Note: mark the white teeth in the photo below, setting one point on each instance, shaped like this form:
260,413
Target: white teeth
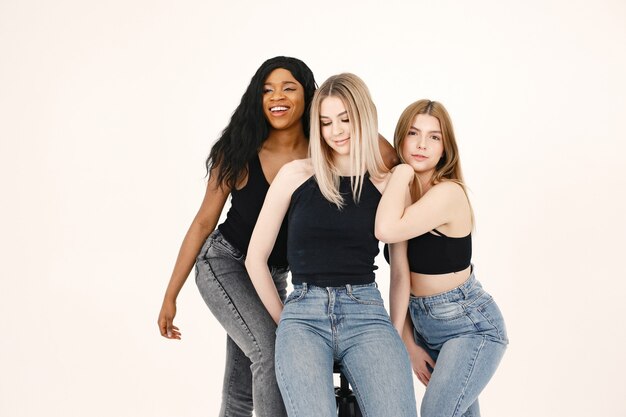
278,108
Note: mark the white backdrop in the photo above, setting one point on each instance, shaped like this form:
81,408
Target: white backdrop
108,110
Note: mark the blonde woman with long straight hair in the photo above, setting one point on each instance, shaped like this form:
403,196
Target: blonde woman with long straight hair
335,313
456,334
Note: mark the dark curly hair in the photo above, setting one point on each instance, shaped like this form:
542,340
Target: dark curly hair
248,128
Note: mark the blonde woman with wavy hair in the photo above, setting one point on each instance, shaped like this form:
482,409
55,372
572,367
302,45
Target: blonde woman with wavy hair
455,333
335,313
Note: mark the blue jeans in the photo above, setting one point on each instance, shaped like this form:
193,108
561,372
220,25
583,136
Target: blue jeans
463,331
348,325
249,378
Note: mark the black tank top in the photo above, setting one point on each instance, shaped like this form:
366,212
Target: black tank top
244,210
329,247
435,253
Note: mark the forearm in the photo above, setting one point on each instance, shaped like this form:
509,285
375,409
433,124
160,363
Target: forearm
399,293
407,330
189,249
392,204
264,286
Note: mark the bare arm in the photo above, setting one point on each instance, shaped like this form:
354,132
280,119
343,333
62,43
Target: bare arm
438,206
400,286
265,232
202,225
387,152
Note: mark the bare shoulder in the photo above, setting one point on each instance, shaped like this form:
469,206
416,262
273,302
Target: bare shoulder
450,190
293,174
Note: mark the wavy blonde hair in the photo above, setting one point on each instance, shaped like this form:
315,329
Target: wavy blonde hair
449,166
364,151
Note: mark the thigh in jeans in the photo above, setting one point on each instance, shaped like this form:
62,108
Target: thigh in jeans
465,333
228,292
373,356
304,355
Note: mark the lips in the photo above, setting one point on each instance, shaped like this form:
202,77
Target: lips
278,110
341,142
419,157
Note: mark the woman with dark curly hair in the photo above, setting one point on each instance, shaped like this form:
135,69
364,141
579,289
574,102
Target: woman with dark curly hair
269,128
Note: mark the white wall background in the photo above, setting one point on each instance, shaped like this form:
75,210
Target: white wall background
108,110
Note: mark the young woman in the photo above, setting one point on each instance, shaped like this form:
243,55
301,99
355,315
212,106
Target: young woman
268,129
335,313
454,320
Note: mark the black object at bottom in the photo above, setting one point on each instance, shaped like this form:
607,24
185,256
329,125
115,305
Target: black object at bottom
346,401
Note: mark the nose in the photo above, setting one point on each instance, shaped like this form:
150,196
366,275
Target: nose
337,129
277,94
421,143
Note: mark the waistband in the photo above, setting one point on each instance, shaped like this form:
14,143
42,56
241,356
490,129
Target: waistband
459,293
332,280
347,287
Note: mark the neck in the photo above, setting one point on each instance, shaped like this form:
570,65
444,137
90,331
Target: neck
342,163
425,180
290,138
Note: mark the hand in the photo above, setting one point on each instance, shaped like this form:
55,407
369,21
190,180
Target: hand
420,359
166,320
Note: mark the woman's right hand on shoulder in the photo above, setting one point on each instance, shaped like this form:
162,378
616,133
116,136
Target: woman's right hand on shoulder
166,320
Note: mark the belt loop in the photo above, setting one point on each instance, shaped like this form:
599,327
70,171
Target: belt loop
349,289
304,287
464,291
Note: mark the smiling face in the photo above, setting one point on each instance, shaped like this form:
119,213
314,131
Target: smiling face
283,100
422,147
335,125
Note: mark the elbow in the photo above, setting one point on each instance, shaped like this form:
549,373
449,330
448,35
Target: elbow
384,233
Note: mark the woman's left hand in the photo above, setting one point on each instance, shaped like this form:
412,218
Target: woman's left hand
420,361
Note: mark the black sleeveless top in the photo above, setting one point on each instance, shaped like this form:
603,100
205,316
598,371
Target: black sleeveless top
435,253
244,210
329,247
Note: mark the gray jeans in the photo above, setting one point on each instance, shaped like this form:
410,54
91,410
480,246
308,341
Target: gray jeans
249,377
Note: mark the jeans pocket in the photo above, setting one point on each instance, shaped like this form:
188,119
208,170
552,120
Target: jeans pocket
295,296
221,245
366,295
446,311
490,311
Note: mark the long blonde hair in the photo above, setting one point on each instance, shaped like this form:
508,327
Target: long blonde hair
364,151
449,166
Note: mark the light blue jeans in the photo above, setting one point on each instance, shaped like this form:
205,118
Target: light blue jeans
350,326
463,331
249,376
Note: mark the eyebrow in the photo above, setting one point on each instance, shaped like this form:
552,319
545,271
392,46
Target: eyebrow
432,131
283,83
343,113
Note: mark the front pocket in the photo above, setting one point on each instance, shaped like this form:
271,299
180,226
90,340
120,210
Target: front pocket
446,311
223,246
366,296
295,296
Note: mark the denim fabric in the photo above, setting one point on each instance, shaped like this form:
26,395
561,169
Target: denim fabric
464,332
350,326
249,378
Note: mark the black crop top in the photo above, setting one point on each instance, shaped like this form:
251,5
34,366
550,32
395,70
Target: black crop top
328,247
245,207
435,253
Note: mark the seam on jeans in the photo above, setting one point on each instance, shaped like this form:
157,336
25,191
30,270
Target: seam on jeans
487,317
235,311
286,388
230,384
469,375
355,390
